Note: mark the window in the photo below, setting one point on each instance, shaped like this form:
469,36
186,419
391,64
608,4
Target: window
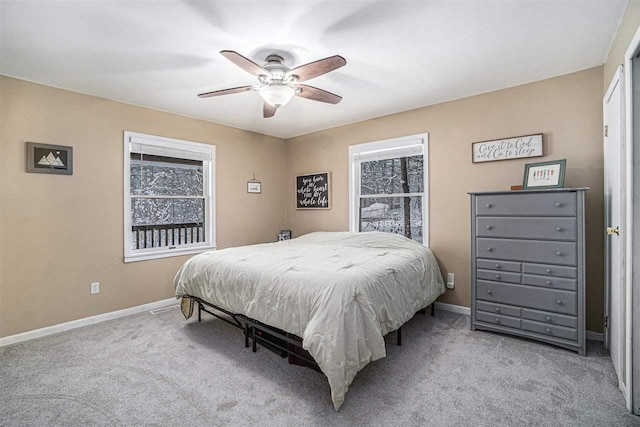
168,197
389,188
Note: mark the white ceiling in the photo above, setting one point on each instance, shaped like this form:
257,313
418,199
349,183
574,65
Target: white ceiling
400,54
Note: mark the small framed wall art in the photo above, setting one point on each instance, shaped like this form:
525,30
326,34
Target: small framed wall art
48,158
284,235
544,175
254,186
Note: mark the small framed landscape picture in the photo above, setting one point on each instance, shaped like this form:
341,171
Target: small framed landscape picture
47,158
544,175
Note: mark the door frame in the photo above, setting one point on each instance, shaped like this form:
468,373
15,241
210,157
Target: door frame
631,168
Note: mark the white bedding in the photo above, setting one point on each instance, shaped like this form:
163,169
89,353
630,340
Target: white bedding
341,292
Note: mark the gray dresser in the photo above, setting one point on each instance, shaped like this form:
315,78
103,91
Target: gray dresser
528,272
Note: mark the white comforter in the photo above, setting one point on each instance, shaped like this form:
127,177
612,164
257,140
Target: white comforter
341,292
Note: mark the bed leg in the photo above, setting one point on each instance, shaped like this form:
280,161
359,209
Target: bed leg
422,311
399,336
246,334
199,312
253,338
433,309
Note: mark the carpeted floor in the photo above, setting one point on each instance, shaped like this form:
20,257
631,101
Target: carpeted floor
162,370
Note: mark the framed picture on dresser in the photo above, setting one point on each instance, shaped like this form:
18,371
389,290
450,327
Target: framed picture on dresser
543,175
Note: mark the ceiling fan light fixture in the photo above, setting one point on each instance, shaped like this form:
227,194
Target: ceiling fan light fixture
277,95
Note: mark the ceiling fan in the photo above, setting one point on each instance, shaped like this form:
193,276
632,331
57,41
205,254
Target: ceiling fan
279,83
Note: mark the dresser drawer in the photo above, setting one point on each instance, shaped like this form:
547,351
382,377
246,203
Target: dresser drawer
550,270
523,204
550,282
499,276
565,253
550,330
553,228
492,307
492,264
564,302
498,319
552,318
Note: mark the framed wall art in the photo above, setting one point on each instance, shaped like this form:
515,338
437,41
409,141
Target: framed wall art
254,186
48,158
312,191
544,175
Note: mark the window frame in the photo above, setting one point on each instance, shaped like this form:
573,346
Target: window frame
208,179
381,149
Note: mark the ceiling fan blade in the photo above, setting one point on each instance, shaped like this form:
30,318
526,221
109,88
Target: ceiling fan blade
225,91
269,110
316,94
318,68
244,63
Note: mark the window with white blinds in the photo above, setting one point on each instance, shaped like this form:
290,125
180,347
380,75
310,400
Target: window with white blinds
389,187
168,197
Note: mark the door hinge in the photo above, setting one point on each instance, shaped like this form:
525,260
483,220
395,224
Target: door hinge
606,321
606,130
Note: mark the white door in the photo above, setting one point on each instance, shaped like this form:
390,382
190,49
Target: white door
613,199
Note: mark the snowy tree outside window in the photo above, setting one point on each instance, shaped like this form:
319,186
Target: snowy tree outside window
388,187
168,197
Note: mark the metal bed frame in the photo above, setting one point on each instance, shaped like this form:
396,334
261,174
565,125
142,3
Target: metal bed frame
280,342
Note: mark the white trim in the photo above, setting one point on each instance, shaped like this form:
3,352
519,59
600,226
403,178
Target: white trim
595,336
61,327
381,147
634,45
453,308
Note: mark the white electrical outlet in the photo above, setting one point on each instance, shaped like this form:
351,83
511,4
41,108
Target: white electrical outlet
95,288
451,280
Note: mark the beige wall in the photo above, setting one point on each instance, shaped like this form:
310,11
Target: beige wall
628,27
566,109
59,233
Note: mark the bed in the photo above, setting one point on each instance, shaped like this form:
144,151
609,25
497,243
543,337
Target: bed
340,292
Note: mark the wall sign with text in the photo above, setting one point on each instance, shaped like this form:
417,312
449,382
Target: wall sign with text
312,191
509,148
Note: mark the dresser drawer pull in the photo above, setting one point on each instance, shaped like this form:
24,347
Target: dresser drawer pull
559,229
489,292
548,330
548,270
498,309
548,318
498,266
489,249
489,227
548,282
559,205
498,276
489,205
558,253
497,320
558,302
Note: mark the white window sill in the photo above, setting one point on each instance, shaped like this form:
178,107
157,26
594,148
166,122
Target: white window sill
166,253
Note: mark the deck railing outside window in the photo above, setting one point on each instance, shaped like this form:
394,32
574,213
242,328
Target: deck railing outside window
160,235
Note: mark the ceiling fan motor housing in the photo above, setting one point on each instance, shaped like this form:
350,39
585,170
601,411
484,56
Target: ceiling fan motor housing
279,72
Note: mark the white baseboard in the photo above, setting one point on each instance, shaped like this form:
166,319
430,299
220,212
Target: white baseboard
49,330
591,335
453,308
595,336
